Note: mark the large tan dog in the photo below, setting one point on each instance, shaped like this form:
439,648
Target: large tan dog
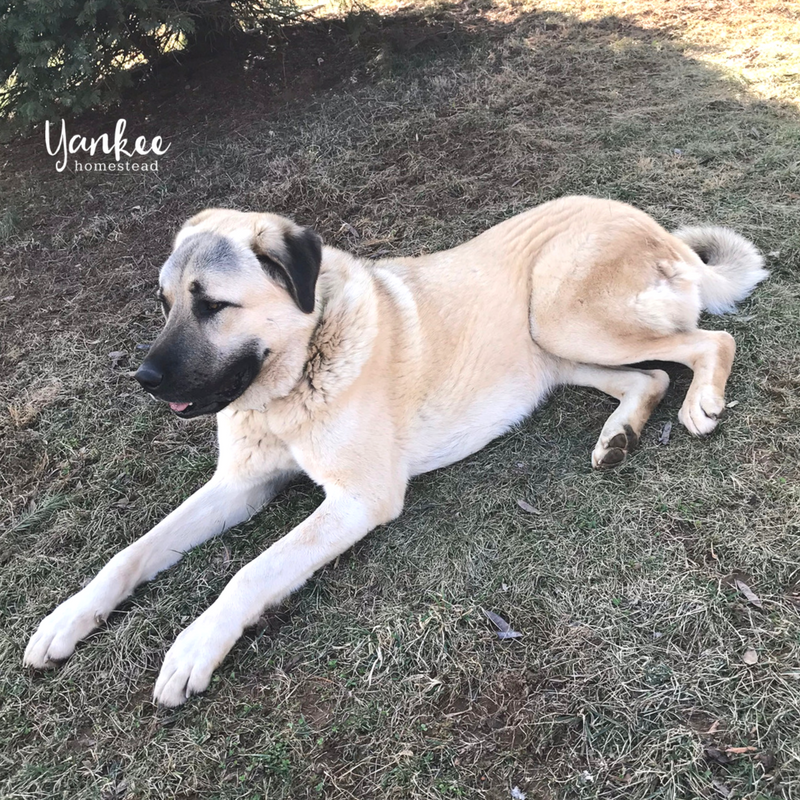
362,374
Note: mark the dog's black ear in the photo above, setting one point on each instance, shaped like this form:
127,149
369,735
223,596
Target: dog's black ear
298,267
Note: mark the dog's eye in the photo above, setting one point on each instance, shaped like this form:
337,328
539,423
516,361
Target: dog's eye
203,308
213,306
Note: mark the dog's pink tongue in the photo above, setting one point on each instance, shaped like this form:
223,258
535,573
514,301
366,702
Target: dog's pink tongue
179,406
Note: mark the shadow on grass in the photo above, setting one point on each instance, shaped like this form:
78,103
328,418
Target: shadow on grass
454,115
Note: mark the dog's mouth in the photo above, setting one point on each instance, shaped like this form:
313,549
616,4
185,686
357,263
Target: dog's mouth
190,410
215,402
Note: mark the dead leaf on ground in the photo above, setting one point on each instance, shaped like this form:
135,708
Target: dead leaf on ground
504,630
750,656
525,506
713,753
721,788
116,356
748,593
348,228
665,433
24,413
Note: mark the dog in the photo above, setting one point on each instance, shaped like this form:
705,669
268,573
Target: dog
363,374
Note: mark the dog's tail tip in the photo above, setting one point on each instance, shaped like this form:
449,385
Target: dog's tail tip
733,266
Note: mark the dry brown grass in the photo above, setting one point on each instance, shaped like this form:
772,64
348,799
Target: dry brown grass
381,678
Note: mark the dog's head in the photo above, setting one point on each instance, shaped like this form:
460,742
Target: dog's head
237,292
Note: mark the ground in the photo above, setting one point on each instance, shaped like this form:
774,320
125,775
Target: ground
382,678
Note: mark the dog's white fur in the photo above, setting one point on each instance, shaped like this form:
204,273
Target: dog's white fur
410,364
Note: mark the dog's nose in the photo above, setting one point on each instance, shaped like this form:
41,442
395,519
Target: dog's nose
149,376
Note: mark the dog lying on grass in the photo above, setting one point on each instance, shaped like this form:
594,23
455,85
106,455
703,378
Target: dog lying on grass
363,374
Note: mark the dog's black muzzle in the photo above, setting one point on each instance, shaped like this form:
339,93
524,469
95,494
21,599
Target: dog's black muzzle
195,391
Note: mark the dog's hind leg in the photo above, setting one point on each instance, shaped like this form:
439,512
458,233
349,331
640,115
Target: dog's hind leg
638,391
709,354
623,308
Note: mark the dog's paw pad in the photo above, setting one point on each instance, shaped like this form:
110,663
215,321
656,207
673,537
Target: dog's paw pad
611,458
619,442
611,452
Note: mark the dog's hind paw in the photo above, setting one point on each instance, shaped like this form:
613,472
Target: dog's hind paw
610,451
701,410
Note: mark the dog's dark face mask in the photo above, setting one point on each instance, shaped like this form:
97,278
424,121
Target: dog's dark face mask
186,371
234,303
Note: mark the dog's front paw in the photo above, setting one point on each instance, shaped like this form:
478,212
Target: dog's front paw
60,631
192,660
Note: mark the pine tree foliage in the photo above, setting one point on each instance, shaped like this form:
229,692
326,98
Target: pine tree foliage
59,57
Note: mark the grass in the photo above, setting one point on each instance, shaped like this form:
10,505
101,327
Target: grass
381,677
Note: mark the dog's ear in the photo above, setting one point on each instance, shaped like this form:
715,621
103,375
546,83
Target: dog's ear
296,264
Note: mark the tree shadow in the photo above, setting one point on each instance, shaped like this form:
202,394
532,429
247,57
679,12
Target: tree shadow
417,129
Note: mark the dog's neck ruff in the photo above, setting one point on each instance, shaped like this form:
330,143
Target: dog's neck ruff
342,332
345,333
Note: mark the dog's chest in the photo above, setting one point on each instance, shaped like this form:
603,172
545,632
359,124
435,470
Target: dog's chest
249,446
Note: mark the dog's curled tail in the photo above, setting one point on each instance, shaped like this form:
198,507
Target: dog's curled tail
733,266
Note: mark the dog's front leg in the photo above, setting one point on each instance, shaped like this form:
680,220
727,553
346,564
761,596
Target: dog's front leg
213,509
342,519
